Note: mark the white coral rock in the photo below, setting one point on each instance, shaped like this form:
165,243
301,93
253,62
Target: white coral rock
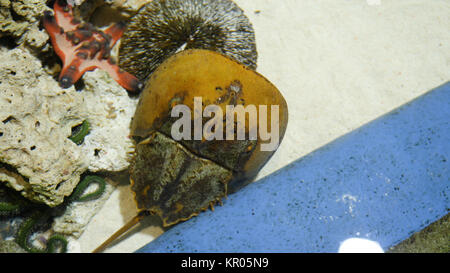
37,117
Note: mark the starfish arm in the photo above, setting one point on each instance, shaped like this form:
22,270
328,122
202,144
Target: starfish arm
64,17
71,73
115,31
125,79
57,36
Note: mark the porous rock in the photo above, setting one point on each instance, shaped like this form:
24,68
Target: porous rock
10,247
37,116
102,12
110,110
36,119
129,6
19,20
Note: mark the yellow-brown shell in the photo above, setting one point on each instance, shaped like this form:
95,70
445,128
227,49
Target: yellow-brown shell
217,80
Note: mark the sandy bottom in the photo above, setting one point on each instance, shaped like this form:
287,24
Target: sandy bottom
339,65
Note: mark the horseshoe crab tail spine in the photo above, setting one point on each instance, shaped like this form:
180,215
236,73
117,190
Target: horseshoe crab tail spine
133,222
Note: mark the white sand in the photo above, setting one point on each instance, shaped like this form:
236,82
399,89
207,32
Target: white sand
339,64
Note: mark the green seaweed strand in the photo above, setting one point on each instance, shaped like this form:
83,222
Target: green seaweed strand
26,230
9,208
81,133
78,194
55,242
14,207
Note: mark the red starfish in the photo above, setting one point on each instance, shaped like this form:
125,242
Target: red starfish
82,47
